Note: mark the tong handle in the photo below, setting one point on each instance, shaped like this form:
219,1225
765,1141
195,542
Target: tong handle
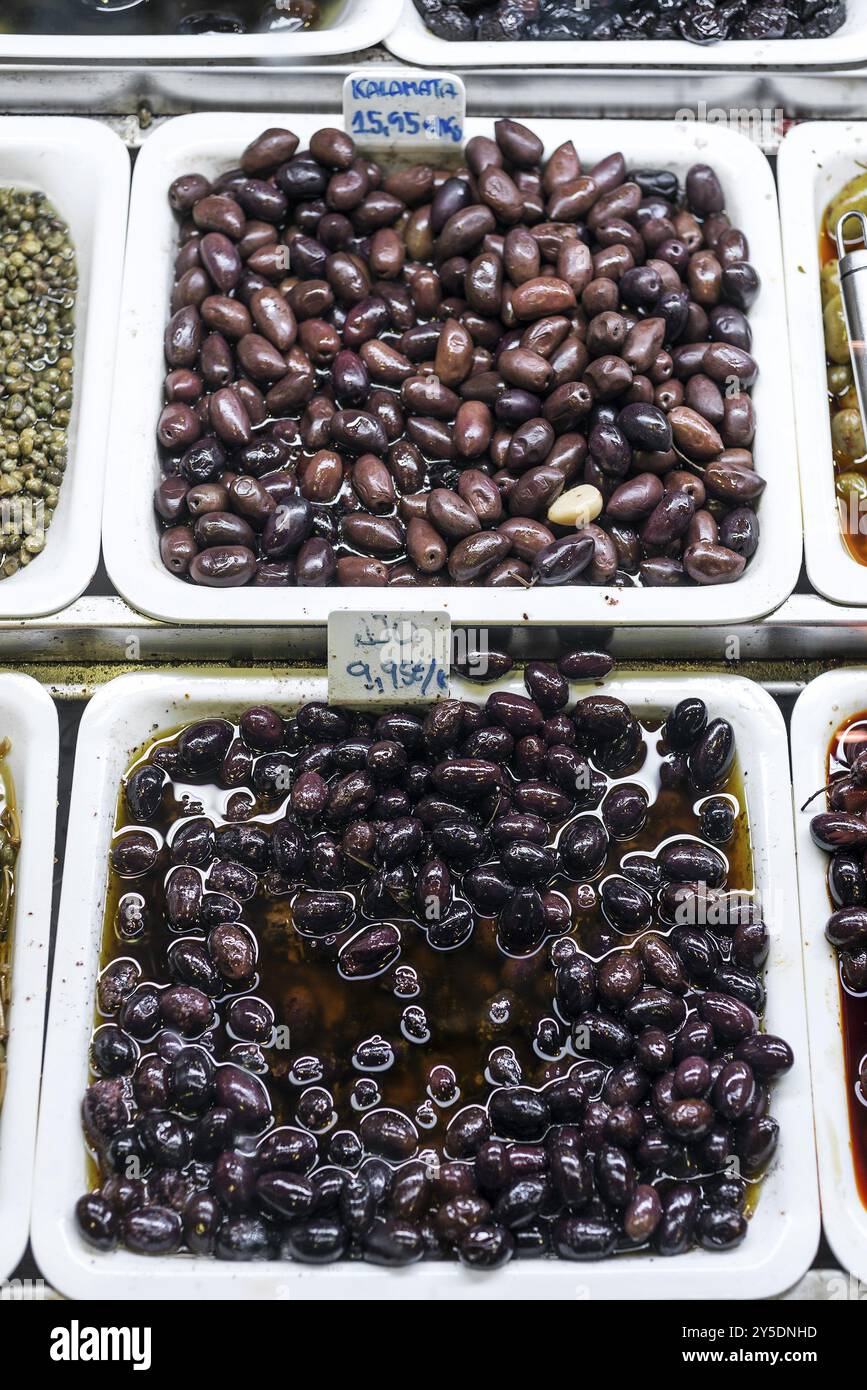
853,285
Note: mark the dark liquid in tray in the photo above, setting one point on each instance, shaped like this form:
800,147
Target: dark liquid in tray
472,999
134,18
853,1007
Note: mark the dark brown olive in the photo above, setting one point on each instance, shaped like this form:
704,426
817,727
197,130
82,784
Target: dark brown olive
584,1237
519,1113
388,1134
730,1018
756,1141
317,1239
712,756
151,1230
674,1232
768,1056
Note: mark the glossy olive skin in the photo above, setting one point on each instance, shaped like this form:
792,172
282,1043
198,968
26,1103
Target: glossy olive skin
348,342
377,847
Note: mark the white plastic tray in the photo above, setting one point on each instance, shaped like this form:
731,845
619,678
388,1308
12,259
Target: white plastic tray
815,161
84,169
353,25
826,704
784,1231
413,41
29,720
130,539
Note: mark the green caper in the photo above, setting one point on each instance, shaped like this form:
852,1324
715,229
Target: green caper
38,283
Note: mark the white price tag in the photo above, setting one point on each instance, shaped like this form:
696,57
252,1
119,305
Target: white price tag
388,658
404,109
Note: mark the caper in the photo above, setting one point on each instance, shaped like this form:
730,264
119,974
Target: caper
38,281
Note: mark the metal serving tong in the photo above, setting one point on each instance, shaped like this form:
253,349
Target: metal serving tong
852,255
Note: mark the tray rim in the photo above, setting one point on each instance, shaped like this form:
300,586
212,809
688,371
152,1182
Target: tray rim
129,532
789,1202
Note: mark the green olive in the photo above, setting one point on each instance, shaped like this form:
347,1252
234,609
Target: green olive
829,280
839,379
847,434
836,338
852,485
851,198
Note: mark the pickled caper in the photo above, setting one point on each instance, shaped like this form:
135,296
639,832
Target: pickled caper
38,281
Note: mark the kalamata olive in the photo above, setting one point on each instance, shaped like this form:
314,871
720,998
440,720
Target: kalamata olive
321,913
838,830
615,1176
519,1113
584,1237
712,756
388,1134
624,811
522,922
601,1035
730,1019
643,1214
563,560
626,905
151,1230
97,1221
674,1232
691,861
316,1239
144,792
186,1009
721,1228
768,1056
653,1050
467,1131
655,1007
392,1243
619,978
756,1141
584,847
525,862
575,987
370,952
244,1095
486,1246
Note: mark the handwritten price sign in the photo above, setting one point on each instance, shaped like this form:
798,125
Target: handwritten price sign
388,658
404,109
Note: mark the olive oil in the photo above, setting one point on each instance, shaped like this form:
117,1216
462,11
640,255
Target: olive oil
443,1013
119,18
